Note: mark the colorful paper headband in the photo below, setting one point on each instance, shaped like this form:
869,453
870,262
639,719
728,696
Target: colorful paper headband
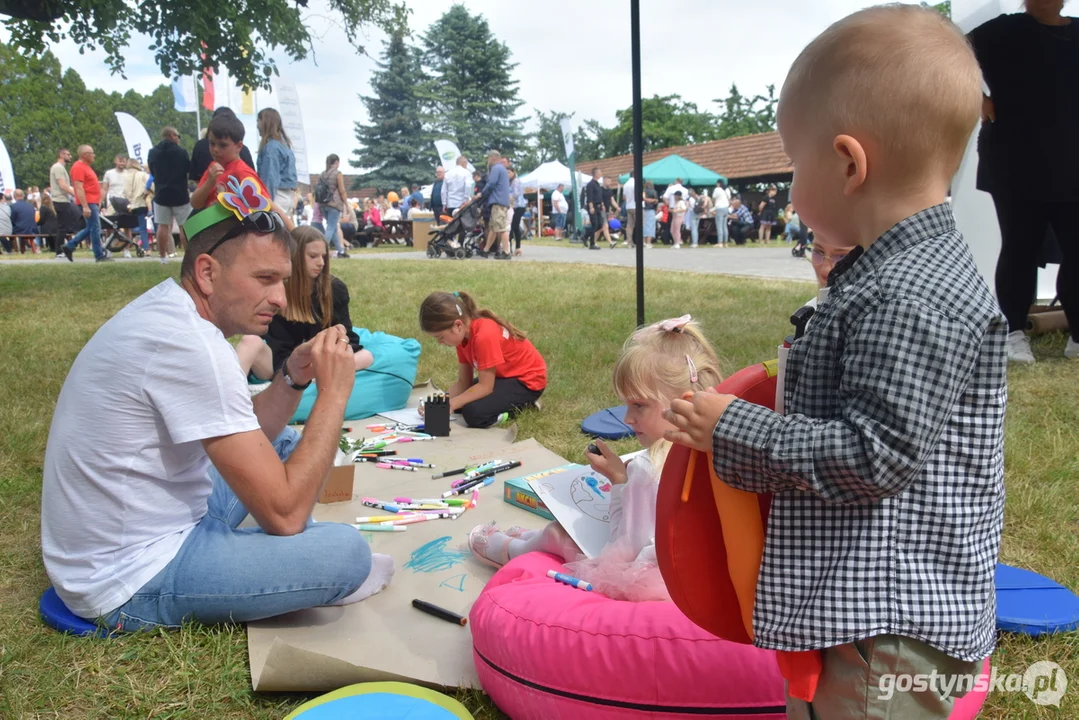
236,198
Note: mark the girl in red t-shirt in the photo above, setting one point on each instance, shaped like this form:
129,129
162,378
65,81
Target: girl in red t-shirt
499,371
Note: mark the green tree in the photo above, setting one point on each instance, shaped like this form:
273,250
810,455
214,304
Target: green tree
471,94
545,143
394,146
46,108
747,116
666,121
238,34
590,141
944,8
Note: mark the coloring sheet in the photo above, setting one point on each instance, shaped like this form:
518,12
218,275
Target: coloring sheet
581,502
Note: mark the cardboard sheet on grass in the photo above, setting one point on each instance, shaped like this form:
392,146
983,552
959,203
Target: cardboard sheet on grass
384,637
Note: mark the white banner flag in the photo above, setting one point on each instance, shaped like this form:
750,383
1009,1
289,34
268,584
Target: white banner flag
7,175
288,100
135,137
448,154
183,94
567,135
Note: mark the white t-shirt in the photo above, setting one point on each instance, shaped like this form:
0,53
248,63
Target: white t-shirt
113,184
668,194
558,202
721,197
629,192
125,472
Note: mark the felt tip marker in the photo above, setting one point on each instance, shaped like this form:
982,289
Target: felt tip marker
441,613
475,499
448,473
368,519
569,580
395,466
410,519
369,527
418,501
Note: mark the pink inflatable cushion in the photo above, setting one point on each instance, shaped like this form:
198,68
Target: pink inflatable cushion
968,706
545,650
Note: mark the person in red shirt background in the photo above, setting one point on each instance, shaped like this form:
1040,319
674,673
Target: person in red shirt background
226,134
88,196
499,371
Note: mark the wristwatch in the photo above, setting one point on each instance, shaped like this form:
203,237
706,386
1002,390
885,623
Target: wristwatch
288,379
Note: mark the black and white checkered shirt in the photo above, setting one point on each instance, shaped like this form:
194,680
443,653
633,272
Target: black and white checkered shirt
888,470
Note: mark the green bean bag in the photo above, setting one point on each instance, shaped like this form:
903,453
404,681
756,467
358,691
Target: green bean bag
386,385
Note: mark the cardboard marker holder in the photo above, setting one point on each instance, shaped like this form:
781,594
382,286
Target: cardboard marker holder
436,415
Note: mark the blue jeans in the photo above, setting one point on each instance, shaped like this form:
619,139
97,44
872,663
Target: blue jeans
722,231
694,228
140,215
331,216
93,229
558,220
224,574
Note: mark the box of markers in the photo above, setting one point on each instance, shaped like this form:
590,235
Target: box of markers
519,493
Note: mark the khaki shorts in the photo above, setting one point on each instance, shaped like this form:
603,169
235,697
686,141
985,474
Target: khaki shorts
859,681
166,214
500,220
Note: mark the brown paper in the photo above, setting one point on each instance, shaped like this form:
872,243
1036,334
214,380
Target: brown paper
384,637
338,486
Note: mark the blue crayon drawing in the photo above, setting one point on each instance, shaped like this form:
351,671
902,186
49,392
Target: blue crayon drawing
457,582
594,484
434,556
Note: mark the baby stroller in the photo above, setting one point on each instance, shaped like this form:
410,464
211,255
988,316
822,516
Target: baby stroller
466,225
112,239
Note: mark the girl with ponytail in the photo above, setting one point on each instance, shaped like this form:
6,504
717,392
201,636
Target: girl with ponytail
499,371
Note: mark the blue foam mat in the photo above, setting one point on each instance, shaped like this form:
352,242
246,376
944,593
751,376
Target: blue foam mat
56,615
608,424
1033,604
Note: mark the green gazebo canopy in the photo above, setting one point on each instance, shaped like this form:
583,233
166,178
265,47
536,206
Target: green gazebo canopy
666,170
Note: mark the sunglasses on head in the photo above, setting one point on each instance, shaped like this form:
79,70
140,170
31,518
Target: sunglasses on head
818,257
261,223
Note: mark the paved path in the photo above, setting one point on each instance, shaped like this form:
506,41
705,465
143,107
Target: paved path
774,263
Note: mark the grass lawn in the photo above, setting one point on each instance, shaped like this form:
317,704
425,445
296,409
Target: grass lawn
578,316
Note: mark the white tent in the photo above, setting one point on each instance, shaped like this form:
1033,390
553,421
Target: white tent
550,175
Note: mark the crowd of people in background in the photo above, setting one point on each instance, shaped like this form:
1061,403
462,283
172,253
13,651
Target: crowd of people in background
154,199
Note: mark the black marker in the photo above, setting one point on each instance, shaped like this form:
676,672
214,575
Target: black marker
440,613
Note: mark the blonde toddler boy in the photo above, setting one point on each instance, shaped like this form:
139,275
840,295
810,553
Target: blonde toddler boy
887,470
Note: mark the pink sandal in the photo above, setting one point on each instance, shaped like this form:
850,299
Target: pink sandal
477,543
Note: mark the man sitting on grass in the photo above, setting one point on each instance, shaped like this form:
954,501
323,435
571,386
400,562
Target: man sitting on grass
146,480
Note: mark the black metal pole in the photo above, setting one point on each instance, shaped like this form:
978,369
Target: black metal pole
638,180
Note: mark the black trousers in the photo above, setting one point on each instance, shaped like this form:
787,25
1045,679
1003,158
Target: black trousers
739,230
515,226
1023,228
598,221
509,396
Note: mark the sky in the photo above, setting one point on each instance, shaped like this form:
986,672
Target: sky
571,58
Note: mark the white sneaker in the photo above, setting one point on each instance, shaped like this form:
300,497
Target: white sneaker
676,247
127,253
164,261
1071,350
1019,348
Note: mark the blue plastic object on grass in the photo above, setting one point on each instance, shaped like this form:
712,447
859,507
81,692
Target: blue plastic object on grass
1033,604
386,385
383,700
608,424
56,615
